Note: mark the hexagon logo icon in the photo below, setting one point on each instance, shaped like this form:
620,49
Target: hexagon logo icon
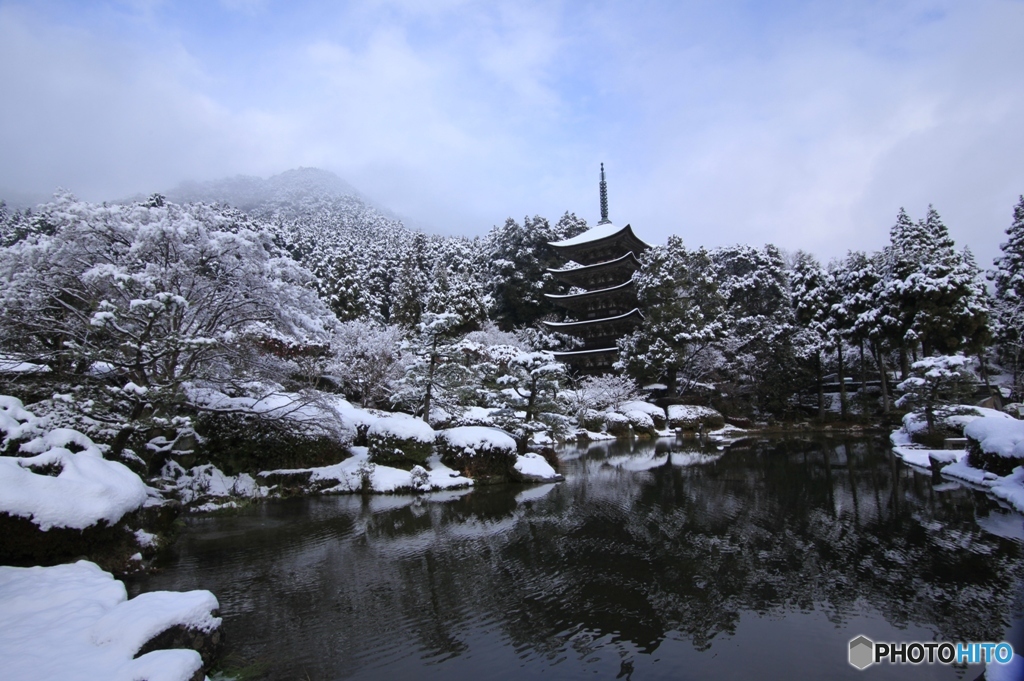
862,652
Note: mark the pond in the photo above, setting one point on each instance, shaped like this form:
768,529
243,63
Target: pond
656,560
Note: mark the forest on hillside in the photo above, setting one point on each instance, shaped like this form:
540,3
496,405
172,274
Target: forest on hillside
114,314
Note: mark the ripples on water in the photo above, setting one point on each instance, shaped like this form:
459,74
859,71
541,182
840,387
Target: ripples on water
653,560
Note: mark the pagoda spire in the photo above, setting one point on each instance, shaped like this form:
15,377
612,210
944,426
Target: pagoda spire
604,199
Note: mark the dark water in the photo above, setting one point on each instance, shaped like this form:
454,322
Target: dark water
759,562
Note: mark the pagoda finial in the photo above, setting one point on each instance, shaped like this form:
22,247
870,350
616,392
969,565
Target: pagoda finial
604,199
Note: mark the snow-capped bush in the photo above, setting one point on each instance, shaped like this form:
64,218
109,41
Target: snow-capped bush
477,450
692,417
60,478
995,444
399,438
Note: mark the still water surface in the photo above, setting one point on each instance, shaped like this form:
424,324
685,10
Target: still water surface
651,561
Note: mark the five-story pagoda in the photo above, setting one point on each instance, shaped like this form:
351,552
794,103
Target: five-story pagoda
602,261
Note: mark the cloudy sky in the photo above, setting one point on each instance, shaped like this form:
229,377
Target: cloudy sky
805,124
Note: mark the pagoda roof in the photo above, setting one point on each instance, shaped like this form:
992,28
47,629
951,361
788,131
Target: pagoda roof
628,257
560,297
605,232
584,353
568,326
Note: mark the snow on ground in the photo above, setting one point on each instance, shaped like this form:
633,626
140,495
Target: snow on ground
357,474
75,622
1012,671
997,434
58,487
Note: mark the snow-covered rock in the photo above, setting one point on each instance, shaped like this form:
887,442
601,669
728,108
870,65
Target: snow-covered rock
692,417
75,621
656,413
535,468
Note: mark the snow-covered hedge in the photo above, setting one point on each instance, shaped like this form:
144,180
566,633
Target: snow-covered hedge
399,438
58,487
478,451
692,417
995,444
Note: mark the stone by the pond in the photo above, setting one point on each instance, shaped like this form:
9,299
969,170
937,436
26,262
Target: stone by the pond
616,424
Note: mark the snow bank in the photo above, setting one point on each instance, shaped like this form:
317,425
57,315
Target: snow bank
75,622
58,487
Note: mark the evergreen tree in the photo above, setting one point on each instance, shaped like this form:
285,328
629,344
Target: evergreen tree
1008,281
683,315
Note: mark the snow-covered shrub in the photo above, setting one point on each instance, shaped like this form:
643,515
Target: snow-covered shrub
478,452
60,478
995,444
400,439
692,417
597,393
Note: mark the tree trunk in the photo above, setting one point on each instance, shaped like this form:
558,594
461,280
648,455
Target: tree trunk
821,388
430,381
880,360
904,364
842,379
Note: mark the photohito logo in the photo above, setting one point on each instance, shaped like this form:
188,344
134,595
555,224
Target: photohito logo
864,652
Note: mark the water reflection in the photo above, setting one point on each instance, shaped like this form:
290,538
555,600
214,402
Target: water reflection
650,559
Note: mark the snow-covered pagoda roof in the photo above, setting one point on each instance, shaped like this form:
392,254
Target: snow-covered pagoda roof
568,326
572,354
598,233
625,286
580,269
599,244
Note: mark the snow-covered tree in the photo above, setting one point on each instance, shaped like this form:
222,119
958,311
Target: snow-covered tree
813,293
945,379
684,315
366,360
158,295
518,257
1008,281
584,394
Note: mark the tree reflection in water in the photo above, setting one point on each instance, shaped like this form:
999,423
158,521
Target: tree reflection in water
643,544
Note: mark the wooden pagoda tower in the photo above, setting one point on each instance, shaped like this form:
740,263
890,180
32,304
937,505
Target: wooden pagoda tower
601,262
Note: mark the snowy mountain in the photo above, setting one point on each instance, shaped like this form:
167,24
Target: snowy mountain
300,191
